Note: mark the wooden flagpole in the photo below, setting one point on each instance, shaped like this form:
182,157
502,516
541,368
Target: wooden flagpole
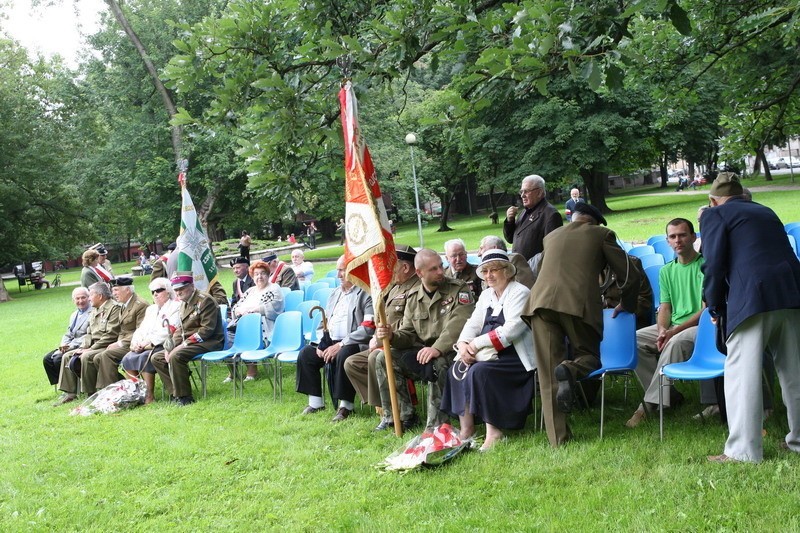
387,356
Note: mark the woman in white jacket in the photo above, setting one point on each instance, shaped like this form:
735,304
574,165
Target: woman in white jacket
492,377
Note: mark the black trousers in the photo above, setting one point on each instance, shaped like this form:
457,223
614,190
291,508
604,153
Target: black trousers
52,364
308,378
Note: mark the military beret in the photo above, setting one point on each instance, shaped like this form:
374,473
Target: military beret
590,210
240,261
726,184
122,281
405,252
182,279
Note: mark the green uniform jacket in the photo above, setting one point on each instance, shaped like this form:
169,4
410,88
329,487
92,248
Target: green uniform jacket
436,322
103,326
469,276
130,318
573,258
200,315
396,301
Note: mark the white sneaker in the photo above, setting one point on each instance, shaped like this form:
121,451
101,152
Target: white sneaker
227,380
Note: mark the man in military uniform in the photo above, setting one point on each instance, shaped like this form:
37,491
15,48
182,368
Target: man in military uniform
200,332
280,272
565,302
456,253
361,367
432,321
102,369
103,330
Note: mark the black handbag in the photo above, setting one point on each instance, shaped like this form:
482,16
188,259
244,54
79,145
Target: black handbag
720,337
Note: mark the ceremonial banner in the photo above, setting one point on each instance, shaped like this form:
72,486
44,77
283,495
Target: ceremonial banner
369,248
193,251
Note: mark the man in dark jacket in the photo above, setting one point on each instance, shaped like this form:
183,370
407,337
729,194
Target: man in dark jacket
752,283
526,229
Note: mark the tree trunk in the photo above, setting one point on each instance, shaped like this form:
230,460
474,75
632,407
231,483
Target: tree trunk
662,167
446,200
767,171
4,296
757,162
166,97
596,184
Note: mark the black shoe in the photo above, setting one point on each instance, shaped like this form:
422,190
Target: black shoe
183,401
384,425
411,423
311,410
341,414
565,397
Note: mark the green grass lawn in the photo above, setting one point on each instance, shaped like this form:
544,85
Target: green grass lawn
254,463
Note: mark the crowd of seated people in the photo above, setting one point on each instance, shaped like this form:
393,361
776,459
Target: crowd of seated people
472,334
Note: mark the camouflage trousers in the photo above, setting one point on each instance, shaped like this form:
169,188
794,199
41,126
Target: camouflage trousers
406,366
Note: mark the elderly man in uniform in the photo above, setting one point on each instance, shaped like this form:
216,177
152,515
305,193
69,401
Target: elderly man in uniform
200,332
243,280
361,368
565,301
456,253
350,324
102,369
524,274
103,330
280,272
433,318
73,337
752,285
526,230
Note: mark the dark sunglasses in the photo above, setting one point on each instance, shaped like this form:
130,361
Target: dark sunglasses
156,291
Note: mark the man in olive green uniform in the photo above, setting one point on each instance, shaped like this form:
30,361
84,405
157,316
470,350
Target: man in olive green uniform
456,253
103,369
103,330
565,301
432,321
200,332
361,367
281,273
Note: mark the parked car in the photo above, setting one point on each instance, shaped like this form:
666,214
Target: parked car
777,163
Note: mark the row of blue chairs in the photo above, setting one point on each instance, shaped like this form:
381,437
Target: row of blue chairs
618,357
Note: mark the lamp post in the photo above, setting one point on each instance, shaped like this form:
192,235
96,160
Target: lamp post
411,140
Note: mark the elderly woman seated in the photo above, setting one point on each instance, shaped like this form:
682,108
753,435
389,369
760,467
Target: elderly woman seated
160,320
265,298
492,377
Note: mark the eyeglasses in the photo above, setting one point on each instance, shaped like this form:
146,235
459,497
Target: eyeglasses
156,291
523,192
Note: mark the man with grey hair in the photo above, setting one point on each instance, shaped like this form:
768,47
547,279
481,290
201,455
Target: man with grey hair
526,230
456,253
73,337
101,369
102,331
524,274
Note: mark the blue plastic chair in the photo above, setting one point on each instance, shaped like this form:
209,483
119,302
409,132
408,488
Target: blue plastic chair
311,288
248,336
473,259
330,282
651,260
791,225
310,330
331,274
706,362
626,246
287,337
794,232
223,316
285,291
656,238
304,309
617,354
639,251
652,273
322,296
663,248
292,300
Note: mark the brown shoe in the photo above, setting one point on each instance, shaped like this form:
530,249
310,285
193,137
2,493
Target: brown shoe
722,459
65,398
638,415
311,410
341,414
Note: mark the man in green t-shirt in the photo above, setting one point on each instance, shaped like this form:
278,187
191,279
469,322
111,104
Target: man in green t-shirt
671,338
